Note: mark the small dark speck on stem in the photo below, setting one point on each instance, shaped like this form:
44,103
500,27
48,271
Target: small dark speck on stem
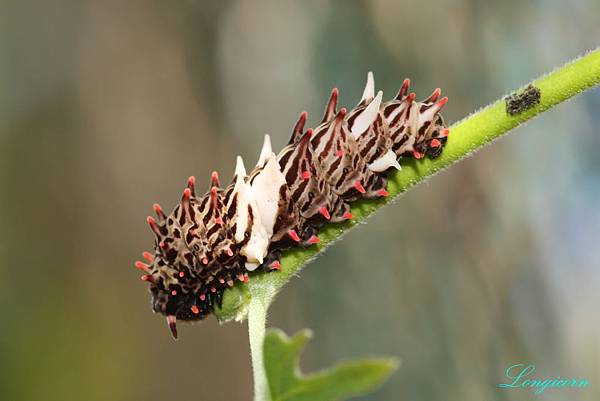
518,103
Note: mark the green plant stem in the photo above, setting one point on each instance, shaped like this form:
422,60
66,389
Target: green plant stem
257,317
466,136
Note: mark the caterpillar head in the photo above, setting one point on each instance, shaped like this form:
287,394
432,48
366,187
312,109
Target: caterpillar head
179,305
194,260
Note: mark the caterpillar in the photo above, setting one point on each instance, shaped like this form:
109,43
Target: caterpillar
208,242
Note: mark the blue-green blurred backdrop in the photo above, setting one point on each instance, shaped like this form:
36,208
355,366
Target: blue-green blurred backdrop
108,106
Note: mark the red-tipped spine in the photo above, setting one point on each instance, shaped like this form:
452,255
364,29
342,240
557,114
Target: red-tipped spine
172,323
214,179
331,105
359,187
441,102
325,213
382,192
294,235
153,226
314,240
142,266
403,90
185,201
159,212
191,184
148,256
299,127
434,96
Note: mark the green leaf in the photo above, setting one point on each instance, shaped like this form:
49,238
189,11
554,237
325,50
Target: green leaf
466,136
285,382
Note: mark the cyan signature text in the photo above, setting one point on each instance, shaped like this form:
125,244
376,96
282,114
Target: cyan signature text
521,376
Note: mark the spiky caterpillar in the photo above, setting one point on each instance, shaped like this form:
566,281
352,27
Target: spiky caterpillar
207,242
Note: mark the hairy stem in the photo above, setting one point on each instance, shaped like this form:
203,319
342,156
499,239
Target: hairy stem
257,316
466,136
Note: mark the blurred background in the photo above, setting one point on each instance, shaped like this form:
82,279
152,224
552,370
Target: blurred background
107,107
